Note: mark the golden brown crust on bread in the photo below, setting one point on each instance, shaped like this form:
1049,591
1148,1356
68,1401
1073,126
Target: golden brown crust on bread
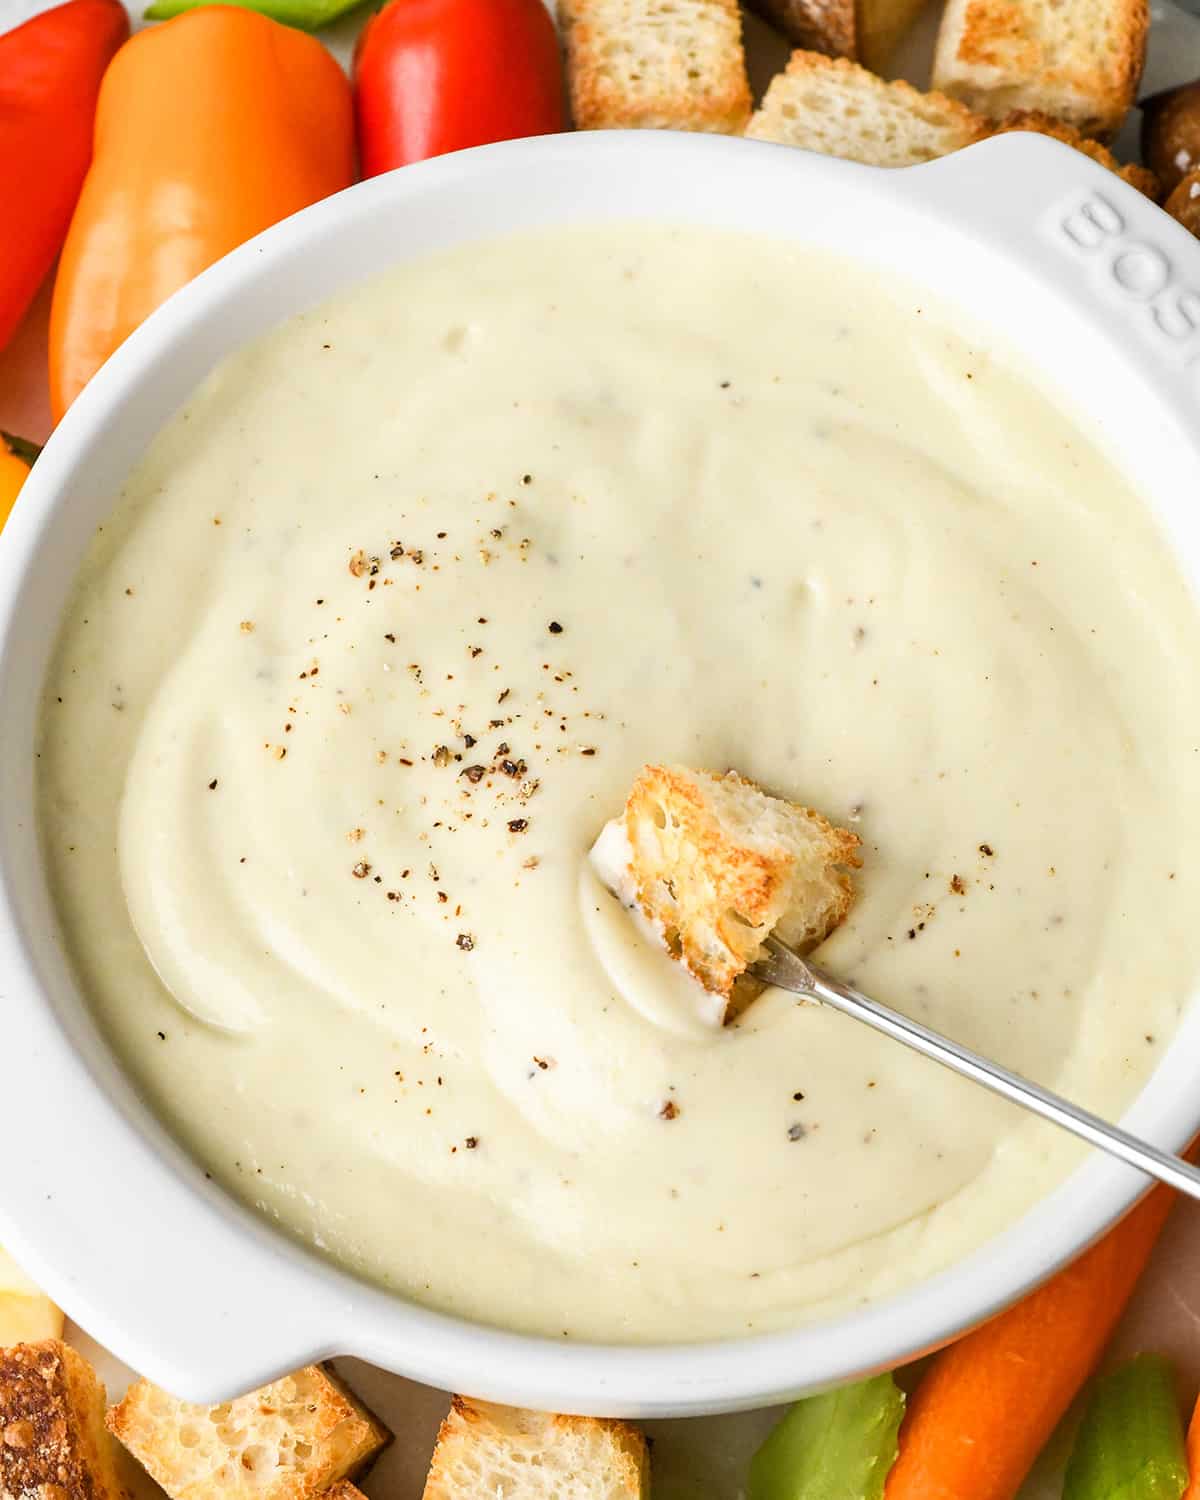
53,1445
995,36
484,1450
1075,60
656,64
289,1440
718,864
1033,120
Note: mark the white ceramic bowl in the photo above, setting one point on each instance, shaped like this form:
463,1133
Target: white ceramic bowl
1101,290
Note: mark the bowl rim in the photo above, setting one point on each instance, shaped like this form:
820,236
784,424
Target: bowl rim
313,1309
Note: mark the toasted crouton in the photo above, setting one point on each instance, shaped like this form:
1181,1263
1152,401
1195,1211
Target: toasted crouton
292,1439
484,1450
840,109
343,1490
1074,60
27,1315
656,64
718,865
1139,177
52,1437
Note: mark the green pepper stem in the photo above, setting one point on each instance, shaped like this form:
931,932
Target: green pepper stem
304,15
22,447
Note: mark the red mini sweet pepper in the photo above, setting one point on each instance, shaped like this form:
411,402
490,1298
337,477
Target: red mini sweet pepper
432,76
50,72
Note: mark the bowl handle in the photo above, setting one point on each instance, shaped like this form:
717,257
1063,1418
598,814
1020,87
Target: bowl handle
1100,241
168,1308
135,1245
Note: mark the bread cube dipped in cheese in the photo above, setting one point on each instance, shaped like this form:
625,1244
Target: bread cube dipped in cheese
717,865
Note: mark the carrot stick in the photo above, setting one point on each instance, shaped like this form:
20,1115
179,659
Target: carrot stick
1193,1456
988,1404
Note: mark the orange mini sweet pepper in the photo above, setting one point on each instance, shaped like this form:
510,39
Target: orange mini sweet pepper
209,129
16,459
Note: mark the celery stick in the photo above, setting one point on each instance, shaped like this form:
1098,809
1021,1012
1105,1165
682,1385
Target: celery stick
838,1446
1130,1443
305,15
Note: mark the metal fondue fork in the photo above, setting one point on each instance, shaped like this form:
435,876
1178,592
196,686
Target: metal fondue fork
788,971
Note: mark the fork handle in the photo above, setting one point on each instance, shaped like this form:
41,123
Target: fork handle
789,971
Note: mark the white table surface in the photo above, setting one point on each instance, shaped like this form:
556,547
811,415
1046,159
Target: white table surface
703,1458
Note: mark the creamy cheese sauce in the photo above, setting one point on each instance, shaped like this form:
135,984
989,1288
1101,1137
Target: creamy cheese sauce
632,949
378,635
